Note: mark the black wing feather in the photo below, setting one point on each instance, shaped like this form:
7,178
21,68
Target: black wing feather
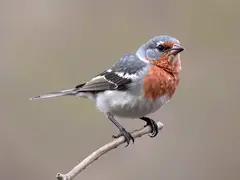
110,79
104,81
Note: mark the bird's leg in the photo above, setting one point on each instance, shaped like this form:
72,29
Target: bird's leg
123,132
153,125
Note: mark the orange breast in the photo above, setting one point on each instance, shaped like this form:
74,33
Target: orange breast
158,82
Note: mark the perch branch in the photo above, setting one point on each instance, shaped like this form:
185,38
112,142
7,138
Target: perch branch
103,150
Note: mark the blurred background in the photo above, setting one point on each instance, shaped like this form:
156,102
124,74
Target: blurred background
51,45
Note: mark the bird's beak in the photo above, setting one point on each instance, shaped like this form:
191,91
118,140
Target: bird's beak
176,49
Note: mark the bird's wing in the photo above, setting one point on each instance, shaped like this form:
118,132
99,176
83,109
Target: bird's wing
118,77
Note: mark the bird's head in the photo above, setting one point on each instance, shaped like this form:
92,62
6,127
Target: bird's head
162,51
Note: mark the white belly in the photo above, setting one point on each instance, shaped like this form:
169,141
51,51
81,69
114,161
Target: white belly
125,104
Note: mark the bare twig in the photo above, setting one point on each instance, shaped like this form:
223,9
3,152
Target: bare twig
103,150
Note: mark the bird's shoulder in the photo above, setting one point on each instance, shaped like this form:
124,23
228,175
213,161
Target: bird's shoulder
129,64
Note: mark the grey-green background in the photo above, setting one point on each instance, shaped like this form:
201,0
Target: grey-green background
51,45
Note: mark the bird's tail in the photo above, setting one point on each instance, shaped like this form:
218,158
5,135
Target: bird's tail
56,94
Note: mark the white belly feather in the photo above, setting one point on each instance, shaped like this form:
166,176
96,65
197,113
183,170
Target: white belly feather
125,104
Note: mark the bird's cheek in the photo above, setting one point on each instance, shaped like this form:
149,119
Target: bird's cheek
152,54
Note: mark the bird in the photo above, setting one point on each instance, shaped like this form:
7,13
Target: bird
136,85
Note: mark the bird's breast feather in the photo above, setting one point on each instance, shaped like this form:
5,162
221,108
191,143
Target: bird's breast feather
158,83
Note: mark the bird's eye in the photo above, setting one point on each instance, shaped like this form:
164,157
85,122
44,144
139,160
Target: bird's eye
161,48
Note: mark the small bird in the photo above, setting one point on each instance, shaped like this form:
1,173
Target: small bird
136,85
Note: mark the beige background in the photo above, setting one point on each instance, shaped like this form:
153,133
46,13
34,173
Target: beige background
51,45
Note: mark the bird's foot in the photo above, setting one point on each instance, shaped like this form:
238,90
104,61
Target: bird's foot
127,135
153,125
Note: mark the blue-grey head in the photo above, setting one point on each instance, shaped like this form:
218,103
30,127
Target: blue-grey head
159,47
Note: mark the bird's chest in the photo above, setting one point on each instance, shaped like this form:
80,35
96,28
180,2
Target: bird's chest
158,83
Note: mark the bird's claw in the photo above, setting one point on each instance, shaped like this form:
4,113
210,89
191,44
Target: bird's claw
127,135
116,136
153,125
